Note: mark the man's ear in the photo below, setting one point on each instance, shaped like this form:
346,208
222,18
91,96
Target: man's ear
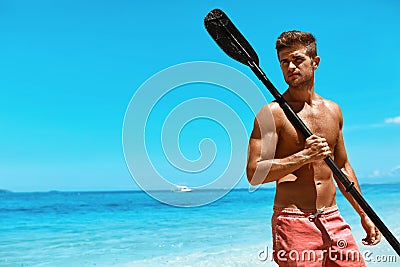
316,61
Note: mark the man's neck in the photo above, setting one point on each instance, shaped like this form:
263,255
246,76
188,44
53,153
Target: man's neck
303,94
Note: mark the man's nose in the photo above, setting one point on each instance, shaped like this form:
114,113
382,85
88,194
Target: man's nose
291,65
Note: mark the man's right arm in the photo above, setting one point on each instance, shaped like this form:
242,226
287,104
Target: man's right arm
262,167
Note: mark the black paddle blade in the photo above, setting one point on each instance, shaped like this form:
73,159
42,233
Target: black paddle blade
228,37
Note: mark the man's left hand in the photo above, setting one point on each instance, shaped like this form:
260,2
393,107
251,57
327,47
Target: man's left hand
373,234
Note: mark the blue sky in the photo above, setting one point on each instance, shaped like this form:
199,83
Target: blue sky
68,70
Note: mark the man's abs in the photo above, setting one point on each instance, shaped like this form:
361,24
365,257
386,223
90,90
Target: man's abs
310,187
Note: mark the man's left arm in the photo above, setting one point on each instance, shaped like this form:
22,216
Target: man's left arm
340,157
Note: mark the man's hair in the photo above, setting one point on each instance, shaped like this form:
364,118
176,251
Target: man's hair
297,38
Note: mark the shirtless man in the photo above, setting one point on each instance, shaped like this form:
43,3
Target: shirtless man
307,227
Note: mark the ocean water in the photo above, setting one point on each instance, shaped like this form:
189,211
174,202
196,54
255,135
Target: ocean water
133,229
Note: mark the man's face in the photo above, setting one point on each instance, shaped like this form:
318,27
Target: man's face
297,67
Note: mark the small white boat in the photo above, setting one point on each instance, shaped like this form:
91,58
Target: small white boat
182,188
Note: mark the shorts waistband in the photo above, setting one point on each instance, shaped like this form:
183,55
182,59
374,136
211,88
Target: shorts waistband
306,212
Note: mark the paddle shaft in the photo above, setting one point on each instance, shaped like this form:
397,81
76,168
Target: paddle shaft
299,124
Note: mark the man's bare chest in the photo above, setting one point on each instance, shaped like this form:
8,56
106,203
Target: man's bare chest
321,122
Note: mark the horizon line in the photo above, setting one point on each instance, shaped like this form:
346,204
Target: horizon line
5,191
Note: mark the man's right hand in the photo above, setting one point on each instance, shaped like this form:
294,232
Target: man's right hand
316,148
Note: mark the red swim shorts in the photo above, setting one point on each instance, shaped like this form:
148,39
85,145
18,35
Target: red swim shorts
313,238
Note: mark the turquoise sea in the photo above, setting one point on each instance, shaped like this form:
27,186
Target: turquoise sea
132,229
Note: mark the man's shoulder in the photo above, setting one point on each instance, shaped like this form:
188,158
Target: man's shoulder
275,108
276,113
331,105
333,109
327,102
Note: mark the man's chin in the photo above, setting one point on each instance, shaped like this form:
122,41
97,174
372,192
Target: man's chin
293,83
296,82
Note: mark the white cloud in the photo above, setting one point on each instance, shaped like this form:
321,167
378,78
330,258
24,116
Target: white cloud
393,120
386,123
376,173
394,172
